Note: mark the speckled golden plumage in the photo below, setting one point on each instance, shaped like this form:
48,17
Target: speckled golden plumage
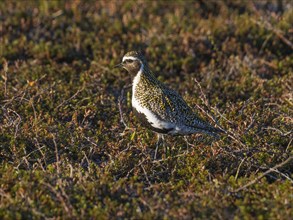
167,103
164,108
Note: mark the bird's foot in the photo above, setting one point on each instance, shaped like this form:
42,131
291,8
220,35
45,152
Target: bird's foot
159,142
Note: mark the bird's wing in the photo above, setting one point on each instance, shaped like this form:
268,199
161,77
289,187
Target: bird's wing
173,108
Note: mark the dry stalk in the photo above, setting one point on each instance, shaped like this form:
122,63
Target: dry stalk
270,170
203,98
56,154
120,101
5,68
67,207
72,97
266,25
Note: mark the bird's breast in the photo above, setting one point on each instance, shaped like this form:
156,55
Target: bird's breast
149,119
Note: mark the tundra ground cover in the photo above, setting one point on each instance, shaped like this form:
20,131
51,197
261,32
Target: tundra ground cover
65,152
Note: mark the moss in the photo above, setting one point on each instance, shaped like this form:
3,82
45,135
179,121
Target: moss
64,152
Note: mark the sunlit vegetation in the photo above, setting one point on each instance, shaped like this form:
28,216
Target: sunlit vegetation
64,152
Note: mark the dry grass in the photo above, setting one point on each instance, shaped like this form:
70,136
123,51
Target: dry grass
65,150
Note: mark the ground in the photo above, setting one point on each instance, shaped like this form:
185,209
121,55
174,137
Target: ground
65,153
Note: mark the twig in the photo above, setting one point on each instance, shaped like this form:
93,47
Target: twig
289,144
56,153
251,124
139,164
277,32
284,134
146,175
146,204
203,98
74,95
205,101
169,158
221,115
87,160
120,100
238,169
92,142
264,174
11,121
282,174
34,210
5,68
67,207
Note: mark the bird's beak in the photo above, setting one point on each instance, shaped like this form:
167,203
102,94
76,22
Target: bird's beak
118,65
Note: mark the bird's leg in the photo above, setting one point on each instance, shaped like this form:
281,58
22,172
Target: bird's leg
164,145
160,141
187,144
157,145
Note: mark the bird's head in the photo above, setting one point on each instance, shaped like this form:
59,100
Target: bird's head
133,61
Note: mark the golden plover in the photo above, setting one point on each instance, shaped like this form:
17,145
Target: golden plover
159,108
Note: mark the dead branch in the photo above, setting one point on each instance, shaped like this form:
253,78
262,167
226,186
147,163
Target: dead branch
205,101
233,136
4,76
66,206
120,101
266,25
270,170
72,97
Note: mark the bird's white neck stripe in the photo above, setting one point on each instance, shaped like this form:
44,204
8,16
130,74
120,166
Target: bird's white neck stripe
137,78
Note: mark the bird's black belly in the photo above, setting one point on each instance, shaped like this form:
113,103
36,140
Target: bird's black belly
144,122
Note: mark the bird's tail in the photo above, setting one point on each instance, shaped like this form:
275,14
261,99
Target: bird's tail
215,132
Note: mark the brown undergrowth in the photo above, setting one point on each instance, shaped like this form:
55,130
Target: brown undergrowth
71,147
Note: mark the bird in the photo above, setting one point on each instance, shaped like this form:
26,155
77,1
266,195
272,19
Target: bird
158,107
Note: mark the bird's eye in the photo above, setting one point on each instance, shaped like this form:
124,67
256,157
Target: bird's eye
128,61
